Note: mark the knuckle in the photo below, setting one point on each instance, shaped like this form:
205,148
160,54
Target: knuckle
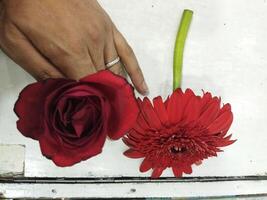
63,54
95,34
8,35
108,27
75,51
46,74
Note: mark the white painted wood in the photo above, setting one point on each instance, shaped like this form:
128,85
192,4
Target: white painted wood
225,54
11,160
134,190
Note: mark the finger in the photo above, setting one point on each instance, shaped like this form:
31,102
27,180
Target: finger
21,51
130,62
111,54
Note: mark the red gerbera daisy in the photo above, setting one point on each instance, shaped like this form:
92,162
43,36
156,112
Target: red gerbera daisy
180,132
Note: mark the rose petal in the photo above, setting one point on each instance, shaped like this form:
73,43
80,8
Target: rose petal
30,104
87,135
49,146
64,157
82,118
119,94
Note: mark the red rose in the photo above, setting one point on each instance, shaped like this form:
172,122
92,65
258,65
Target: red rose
71,119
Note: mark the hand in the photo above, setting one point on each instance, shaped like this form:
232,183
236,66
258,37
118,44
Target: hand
70,38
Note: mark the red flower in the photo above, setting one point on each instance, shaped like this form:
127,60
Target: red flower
71,119
178,133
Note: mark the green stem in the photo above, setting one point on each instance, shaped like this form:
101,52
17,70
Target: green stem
179,48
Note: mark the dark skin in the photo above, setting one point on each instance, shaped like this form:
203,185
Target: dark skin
65,38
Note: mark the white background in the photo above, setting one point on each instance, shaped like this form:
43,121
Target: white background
225,54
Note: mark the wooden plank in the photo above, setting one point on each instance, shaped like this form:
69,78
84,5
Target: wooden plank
12,160
135,190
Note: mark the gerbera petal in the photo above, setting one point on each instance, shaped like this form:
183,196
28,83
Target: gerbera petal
205,100
150,115
221,124
134,133
166,102
224,142
138,128
175,107
142,122
207,105
157,172
209,115
187,169
133,154
225,108
161,111
192,110
145,166
139,102
187,95
129,142
177,172
198,162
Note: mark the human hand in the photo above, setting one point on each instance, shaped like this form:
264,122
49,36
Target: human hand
70,38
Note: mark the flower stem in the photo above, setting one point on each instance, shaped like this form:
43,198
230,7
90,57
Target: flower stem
179,48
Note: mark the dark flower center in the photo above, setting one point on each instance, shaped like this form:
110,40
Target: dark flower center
77,117
177,142
176,149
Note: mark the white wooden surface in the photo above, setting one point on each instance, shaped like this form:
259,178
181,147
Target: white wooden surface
225,54
12,159
135,190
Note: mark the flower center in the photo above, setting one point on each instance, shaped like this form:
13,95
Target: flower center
176,149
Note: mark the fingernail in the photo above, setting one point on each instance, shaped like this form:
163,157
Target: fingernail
145,88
